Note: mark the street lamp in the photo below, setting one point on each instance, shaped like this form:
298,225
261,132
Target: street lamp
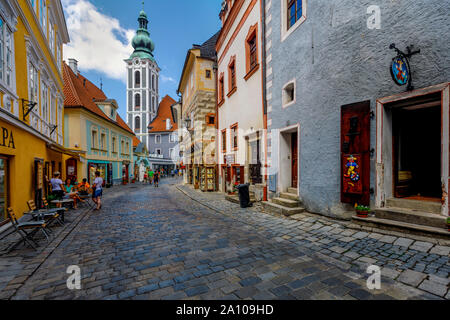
187,123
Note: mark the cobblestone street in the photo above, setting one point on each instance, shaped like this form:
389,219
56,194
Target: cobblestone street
176,243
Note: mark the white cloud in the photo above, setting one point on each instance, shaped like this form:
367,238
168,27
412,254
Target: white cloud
167,79
96,40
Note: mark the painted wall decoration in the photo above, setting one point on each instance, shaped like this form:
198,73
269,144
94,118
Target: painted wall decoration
352,179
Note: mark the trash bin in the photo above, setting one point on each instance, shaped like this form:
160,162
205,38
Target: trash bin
244,195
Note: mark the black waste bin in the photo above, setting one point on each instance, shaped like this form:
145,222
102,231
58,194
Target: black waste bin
244,195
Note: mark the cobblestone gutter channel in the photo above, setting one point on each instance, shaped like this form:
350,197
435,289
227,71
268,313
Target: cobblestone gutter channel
417,262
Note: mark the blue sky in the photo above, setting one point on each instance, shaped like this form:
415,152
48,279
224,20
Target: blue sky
101,31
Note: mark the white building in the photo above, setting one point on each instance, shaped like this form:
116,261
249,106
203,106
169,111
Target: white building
240,102
142,82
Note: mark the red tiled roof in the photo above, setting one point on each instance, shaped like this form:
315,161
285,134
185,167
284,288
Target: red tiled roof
79,92
136,142
164,112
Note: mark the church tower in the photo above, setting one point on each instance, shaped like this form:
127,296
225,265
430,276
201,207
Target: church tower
142,82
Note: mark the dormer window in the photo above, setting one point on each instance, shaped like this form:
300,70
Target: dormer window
168,124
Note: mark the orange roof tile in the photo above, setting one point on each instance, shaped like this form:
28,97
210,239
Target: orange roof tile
164,112
79,92
136,142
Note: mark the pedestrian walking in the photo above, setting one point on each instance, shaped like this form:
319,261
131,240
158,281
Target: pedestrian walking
151,175
57,186
98,190
156,179
145,177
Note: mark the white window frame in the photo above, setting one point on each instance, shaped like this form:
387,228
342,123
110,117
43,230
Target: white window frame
51,36
43,16
285,32
7,69
172,138
94,142
171,153
160,151
285,103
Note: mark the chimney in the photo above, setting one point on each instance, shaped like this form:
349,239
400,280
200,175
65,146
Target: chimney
73,64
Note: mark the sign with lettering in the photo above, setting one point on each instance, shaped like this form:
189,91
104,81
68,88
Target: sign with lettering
7,139
230,159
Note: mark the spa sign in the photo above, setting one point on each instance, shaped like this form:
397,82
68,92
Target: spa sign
7,138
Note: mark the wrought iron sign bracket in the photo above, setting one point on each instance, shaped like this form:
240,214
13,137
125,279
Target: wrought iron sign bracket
27,107
405,56
53,129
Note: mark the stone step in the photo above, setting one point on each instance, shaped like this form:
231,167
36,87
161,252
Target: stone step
289,196
235,199
276,208
411,216
403,227
293,191
286,202
425,206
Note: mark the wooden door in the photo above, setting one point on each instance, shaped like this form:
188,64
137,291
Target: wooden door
355,153
241,177
294,157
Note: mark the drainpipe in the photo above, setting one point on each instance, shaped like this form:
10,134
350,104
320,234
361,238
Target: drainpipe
216,70
264,90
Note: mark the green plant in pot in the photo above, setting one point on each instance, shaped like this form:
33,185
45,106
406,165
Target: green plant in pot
362,211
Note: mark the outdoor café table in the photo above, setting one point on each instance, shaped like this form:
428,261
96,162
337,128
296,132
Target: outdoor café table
60,203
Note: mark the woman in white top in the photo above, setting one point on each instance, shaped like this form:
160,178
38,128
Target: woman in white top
57,186
98,190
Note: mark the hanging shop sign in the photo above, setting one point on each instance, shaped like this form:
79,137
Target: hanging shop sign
400,67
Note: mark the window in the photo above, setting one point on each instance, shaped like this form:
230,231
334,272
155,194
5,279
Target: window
43,15
45,108
171,153
51,37
234,137
127,148
158,151
137,79
294,11
153,82
59,56
224,140
137,101
210,119
173,137
288,94
94,139
6,54
232,76
294,14
114,145
208,74
33,83
251,51
153,105
137,124
168,124
221,88
158,139
122,146
103,141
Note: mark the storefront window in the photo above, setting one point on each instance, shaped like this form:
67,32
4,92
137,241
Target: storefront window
101,167
3,187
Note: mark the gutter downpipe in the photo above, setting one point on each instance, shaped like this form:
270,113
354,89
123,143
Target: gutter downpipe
264,90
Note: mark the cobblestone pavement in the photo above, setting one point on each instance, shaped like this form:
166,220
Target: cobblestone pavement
150,243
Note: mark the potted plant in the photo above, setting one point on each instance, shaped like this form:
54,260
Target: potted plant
448,224
362,211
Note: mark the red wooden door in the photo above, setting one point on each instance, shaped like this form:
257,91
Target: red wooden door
241,178
294,149
355,153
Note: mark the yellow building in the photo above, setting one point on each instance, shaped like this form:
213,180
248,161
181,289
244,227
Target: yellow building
197,127
32,34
